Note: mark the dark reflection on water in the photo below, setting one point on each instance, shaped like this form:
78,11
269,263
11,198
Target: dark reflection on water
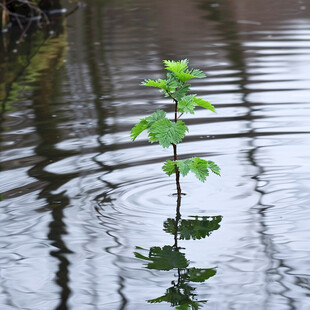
78,196
41,55
47,128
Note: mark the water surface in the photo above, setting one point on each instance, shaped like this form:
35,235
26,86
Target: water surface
78,197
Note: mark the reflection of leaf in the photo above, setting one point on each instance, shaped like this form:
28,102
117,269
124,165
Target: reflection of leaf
139,255
179,296
197,228
165,258
200,275
173,295
193,305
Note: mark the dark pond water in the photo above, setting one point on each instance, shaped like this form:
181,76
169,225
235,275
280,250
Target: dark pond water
88,219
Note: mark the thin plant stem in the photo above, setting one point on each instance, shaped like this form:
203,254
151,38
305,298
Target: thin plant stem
175,154
177,172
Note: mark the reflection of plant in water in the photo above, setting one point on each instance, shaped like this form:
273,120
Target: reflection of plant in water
181,294
197,228
165,258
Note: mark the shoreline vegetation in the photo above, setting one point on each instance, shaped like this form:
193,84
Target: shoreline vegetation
22,14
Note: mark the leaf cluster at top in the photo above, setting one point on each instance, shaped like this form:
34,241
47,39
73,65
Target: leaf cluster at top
174,86
160,128
165,258
181,71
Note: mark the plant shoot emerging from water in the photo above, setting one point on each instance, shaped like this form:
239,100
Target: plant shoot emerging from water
166,132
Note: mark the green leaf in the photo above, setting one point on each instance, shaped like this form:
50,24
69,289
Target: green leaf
181,92
204,104
200,168
176,66
156,116
184,76
184,166
138,128
172,82
169,167
145,123
187,104
197,73
213,167
152,138
168,132
156,83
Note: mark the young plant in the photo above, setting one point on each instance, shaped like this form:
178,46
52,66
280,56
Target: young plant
160,129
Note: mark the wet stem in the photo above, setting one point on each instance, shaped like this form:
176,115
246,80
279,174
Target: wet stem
177,172
175,154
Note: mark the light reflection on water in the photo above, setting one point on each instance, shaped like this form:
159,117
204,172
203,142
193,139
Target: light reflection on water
78,196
